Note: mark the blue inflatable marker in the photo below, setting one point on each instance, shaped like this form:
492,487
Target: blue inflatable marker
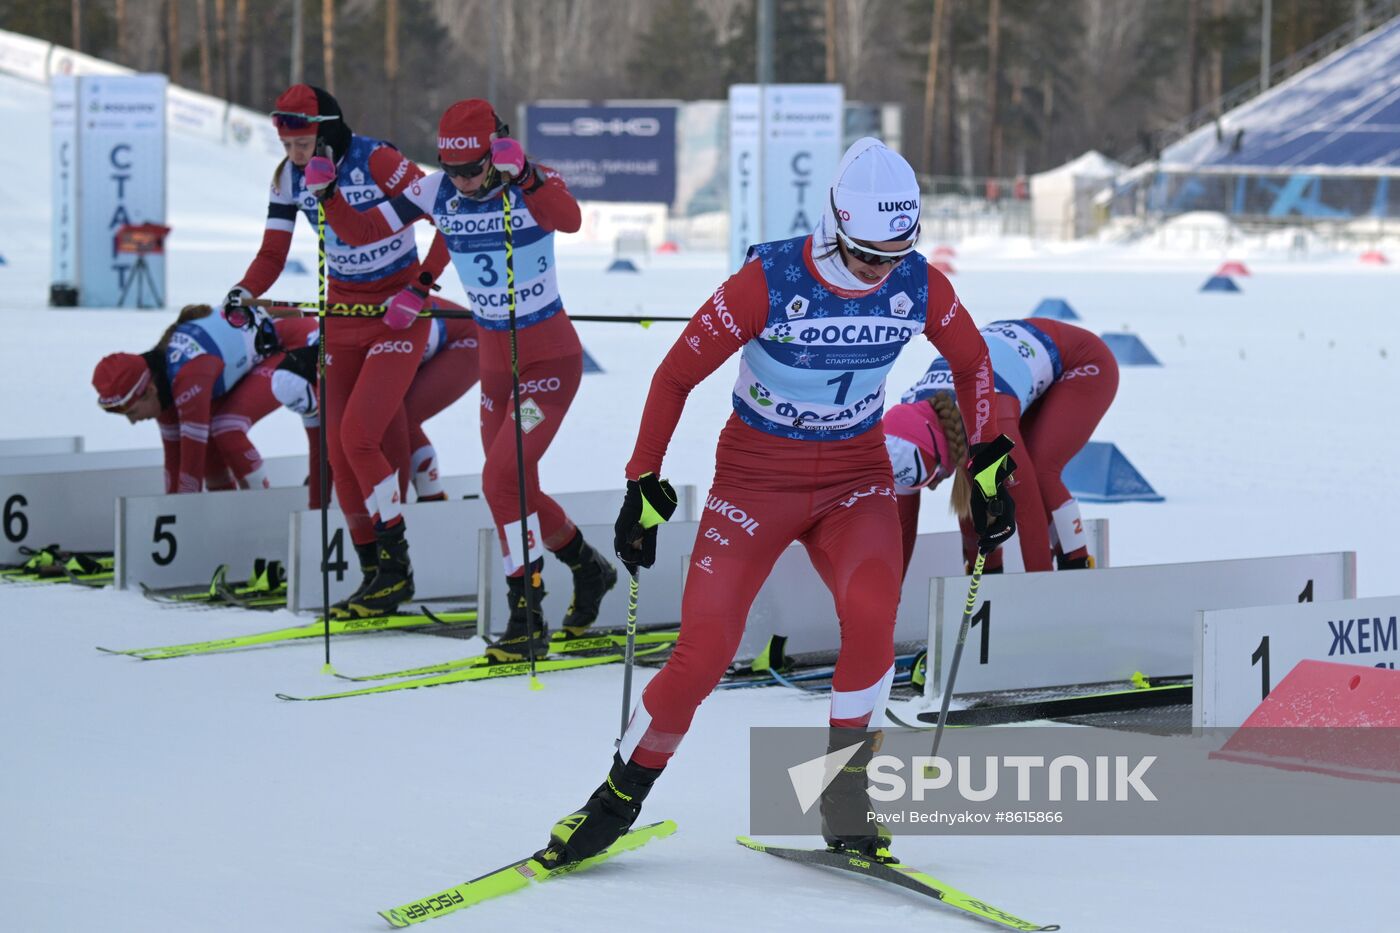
590,365
1056,309
295,266
622,265
1129,350
1220,283
2,261
1100,473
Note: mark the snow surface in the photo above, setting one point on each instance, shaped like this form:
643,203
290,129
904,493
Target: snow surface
180,795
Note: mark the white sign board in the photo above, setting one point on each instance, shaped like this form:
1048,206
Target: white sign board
784,147
121,180
1094,626
178,540
1242,654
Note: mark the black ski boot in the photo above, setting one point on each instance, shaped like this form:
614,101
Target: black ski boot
594,576
848,823
393,579
600,822
525,631
369,563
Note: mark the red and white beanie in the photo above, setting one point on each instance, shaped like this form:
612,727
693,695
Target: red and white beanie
120,378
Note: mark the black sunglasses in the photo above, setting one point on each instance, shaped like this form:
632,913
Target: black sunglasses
467,169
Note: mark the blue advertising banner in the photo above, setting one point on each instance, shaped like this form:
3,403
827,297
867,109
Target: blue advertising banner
607,153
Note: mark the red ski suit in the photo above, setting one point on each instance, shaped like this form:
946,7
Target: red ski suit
550,355
368,367
835,496
206,439
1056,427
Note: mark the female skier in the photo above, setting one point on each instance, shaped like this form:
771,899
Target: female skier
206,384
448,371
1054,381
370,362
481,165
820,320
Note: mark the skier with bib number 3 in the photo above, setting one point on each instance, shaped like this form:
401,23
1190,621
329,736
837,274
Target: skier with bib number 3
819,321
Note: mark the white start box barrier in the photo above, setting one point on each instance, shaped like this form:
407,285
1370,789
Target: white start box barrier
441,544
658,591
1242,654
1094,626
179,540
69,499
32,446
795,603
595,513
444,541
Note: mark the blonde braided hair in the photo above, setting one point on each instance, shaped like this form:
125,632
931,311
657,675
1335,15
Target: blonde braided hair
950,419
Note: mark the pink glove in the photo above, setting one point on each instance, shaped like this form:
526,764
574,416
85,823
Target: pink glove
402,310
320,177
507,157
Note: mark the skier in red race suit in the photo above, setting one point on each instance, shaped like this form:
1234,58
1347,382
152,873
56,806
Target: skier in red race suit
819,321
1054,382
447,372
370,362
206,385
482,165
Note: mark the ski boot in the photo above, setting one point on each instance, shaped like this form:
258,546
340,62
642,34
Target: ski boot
369,564
1084,561
848,823
393,577
594,576
526,632
600,822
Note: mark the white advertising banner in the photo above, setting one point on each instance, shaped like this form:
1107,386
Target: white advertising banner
23,56
745,172
252,132
197,114
121,143
63,164
783,154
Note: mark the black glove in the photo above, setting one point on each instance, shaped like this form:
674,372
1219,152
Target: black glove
648,503
989,466
301,361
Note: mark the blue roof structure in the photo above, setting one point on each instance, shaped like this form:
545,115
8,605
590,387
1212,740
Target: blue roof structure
1343,112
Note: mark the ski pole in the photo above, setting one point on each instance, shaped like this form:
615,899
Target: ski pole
628,655
958,649
276,308
519,439
324,471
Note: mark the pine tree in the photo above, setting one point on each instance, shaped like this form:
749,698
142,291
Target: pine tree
676,56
